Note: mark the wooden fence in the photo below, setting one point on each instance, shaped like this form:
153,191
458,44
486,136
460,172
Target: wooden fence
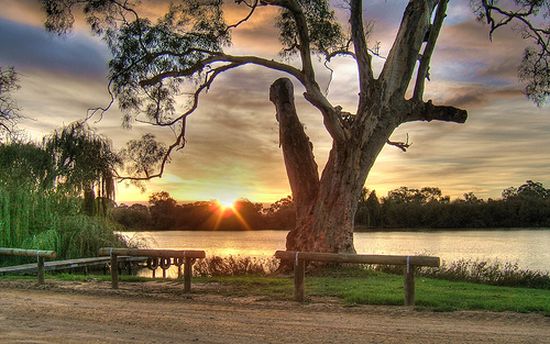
39,254
188,257
410,262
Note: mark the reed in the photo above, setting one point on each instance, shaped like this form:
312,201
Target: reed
235,266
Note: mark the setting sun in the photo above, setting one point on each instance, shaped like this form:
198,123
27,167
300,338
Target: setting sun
226,203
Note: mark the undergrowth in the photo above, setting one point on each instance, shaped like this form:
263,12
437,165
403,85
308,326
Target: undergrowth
235,265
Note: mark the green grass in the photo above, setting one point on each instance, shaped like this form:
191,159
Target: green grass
434,294
385,289
377,288
362,287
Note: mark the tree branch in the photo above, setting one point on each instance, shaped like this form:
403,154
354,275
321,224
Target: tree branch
361,52
540,35
331,120
398,69
401,145
221,57
433,34
250,13
313,92
426,111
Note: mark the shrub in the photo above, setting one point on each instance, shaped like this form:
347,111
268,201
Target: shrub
235,265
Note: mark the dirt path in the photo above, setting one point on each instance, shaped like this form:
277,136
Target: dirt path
92,313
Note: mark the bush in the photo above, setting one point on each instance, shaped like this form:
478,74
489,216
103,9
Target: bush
235,265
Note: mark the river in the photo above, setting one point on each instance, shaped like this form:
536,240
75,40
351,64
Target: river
529,248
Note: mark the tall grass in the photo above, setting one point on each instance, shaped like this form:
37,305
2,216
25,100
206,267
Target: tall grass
493,273
35,218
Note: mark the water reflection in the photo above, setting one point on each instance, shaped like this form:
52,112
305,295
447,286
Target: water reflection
529,248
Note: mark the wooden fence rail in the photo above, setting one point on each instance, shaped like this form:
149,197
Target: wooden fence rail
188,256
410,262
39,254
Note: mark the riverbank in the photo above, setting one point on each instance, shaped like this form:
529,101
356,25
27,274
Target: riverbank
158,312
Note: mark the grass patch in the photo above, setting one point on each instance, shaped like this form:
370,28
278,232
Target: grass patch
434,294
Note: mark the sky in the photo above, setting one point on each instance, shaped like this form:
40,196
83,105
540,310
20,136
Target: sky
232,146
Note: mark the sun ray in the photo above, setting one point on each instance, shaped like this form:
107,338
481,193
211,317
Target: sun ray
241,219
229,206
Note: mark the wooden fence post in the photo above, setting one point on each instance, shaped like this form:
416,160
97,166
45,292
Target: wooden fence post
114,271
40,268
409,284
187,274
299,278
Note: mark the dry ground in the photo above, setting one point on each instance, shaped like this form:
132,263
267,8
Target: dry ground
90,312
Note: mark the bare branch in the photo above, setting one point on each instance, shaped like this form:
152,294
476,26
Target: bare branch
100,110
426,111
9,111
534,70
331,120
303,37
361,52
521,15
398,69
252,7
433,34
401,145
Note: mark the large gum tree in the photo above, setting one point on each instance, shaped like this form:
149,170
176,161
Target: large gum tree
153,60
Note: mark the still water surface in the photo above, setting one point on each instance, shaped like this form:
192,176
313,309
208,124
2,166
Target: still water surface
529,248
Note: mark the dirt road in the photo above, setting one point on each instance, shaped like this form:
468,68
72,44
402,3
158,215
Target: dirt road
92,313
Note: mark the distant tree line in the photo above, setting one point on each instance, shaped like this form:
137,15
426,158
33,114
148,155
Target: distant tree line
164,213
525,206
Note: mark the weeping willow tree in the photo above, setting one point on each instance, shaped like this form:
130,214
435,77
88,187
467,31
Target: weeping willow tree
84,164
42,188
152,61
25,204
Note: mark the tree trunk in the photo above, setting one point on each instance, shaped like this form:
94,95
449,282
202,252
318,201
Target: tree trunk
325,207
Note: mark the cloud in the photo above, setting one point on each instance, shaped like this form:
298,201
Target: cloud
474,96
31,48
232,139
